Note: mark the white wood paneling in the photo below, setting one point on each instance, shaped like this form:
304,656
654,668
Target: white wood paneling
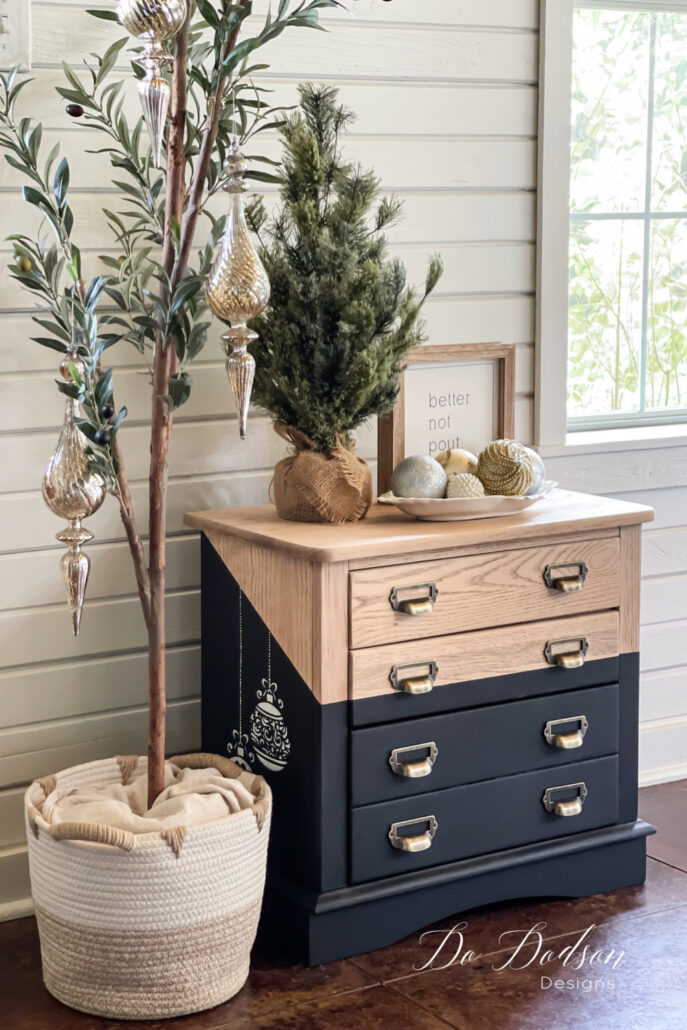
350,51
515,13
43,634
468,268
27,523
663,695
70,689
381,107
652,475
440,216
459,164
115,734
32,580
11,816
446,98
52,746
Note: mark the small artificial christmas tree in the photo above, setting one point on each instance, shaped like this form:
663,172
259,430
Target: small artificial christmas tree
341,319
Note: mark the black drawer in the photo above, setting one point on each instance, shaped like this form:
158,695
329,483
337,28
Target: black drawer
481,818
482,743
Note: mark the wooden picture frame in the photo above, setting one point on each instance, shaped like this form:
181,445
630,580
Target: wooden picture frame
391,433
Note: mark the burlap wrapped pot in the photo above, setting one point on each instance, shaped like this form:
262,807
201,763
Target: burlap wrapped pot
314,486
151,925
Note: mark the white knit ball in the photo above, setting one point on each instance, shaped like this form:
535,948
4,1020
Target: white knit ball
464,484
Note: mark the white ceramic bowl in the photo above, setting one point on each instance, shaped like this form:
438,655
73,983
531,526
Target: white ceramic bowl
456,509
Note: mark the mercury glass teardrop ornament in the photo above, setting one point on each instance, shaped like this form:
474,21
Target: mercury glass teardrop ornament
73,492
238,288
154,22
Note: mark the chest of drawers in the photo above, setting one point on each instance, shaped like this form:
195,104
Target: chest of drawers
446,712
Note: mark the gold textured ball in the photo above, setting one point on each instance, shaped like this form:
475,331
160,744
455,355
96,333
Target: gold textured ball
505,468
457,460
464,484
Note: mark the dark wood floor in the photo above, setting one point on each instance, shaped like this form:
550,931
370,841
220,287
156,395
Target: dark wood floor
384,990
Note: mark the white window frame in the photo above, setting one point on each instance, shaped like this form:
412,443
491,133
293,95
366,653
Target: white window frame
553,229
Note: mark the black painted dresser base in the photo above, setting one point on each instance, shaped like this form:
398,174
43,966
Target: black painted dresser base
312,913
303,926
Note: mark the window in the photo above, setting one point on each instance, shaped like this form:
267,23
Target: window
627,257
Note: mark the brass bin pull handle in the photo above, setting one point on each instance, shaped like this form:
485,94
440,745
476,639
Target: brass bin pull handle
568,584
415,605
567,806
417,768
567,659
569,740
415,842
414,684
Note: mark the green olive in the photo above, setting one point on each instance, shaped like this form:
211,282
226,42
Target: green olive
24,264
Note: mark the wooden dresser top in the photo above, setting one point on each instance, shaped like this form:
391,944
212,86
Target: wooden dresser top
387,531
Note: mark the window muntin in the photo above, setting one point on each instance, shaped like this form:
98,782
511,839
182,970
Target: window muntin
627,315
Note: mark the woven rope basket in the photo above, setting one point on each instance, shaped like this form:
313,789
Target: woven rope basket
146,926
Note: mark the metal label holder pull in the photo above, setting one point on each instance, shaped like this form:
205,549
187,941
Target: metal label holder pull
415,842
414,684
414,769
569,806
572,659
414,605
566,741
566,584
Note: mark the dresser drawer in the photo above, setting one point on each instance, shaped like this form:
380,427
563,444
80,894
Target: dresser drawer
482,818
426,599
422,755
502,656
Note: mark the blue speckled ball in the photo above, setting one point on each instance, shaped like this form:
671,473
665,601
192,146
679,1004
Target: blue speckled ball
418,476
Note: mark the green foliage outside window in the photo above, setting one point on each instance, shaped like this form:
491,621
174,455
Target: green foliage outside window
628,272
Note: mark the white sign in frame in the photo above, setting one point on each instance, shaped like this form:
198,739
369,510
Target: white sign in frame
450,405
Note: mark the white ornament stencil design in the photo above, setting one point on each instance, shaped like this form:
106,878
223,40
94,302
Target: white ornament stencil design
238,748
268,730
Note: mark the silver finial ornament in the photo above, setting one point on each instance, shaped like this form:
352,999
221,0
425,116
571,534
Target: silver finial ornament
154,22
238,288
72,492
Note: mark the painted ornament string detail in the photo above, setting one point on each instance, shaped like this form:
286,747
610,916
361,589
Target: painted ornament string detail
238,748
268,731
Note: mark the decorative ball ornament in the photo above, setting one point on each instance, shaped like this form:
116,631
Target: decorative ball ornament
505,468
268,733
74,493
457,460
238,288
464,484
154,22
418,476
539,471
238,749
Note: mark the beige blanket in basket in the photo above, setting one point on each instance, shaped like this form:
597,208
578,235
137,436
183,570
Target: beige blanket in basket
190,797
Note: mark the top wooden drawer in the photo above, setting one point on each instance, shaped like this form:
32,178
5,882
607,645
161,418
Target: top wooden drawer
481,590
